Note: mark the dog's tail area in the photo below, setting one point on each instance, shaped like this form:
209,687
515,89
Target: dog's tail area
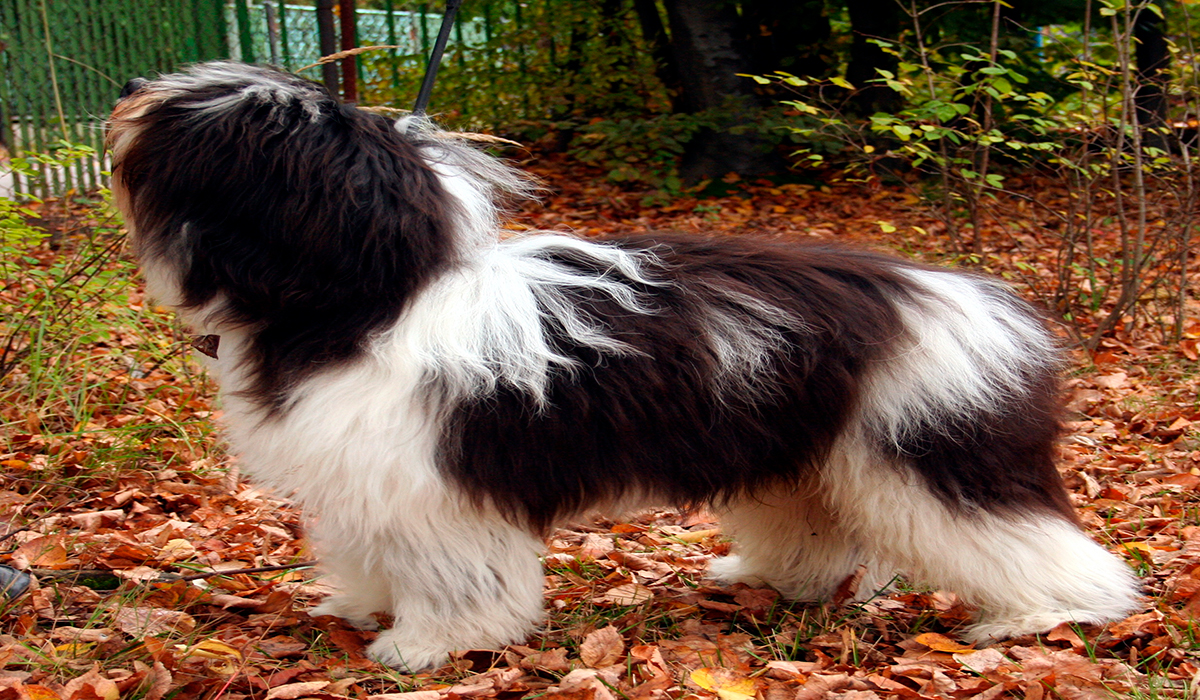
950,472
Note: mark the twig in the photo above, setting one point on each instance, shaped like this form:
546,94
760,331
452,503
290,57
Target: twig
345,54
255,570
166,576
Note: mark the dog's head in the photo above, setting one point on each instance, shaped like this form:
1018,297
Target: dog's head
258,188
257,202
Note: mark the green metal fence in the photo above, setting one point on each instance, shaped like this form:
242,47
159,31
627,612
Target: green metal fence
63,63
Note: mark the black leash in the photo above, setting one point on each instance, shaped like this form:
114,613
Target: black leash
435,57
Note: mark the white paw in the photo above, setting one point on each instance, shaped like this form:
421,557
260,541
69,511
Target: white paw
343,607
391,648
730,569
990,630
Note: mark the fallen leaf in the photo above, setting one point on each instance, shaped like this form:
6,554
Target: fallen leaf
982,661
603,647
280,647
91,686
1116,380
628,594
940,642
42,552
698,535
147,622
727,684
291,691
209,649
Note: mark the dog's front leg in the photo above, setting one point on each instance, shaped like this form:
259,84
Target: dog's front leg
456,578
361,588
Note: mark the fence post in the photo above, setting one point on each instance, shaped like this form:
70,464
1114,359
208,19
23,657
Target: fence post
328,42
349,73
272,32
245,36
389,7
283,35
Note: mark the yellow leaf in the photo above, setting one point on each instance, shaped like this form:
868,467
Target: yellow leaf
74,649
210,649
40,692
1135,547
940,642
886,227
725,683
698,535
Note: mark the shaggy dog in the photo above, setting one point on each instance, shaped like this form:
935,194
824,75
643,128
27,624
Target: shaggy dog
439,397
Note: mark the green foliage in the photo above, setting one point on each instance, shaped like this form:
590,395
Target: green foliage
562,61
67,322
972,116
638,150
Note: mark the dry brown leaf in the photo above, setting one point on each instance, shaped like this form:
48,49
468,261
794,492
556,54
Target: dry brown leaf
291,691
159,679
594,547
1064,633
584,684
42,552
983,661
1145,624
280,646
628,594
91,686
603,647
138,622
818,687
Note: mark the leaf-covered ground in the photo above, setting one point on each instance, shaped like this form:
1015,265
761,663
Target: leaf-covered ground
161,574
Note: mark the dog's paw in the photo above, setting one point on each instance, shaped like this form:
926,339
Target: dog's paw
343,607
730,569
991,630
393,649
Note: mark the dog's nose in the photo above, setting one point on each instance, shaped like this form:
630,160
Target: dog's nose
132,86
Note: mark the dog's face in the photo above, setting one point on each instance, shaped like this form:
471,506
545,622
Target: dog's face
260,186
255,199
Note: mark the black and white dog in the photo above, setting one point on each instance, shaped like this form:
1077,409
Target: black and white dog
438,398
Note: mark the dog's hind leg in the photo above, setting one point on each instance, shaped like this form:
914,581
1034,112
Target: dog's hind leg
460,578
1028,569
789,539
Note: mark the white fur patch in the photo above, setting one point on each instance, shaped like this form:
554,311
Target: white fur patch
972,344
1026,571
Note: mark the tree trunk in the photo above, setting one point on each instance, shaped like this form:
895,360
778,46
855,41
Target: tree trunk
1153,57
705,44
655,36
872,19
787,36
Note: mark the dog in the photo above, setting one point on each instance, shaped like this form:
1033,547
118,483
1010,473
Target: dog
438,397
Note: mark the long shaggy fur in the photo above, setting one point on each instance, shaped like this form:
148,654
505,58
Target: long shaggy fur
439,397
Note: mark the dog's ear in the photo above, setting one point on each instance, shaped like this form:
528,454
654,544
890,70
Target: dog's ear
262,188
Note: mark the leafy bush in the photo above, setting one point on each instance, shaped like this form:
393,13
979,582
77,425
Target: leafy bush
971,116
